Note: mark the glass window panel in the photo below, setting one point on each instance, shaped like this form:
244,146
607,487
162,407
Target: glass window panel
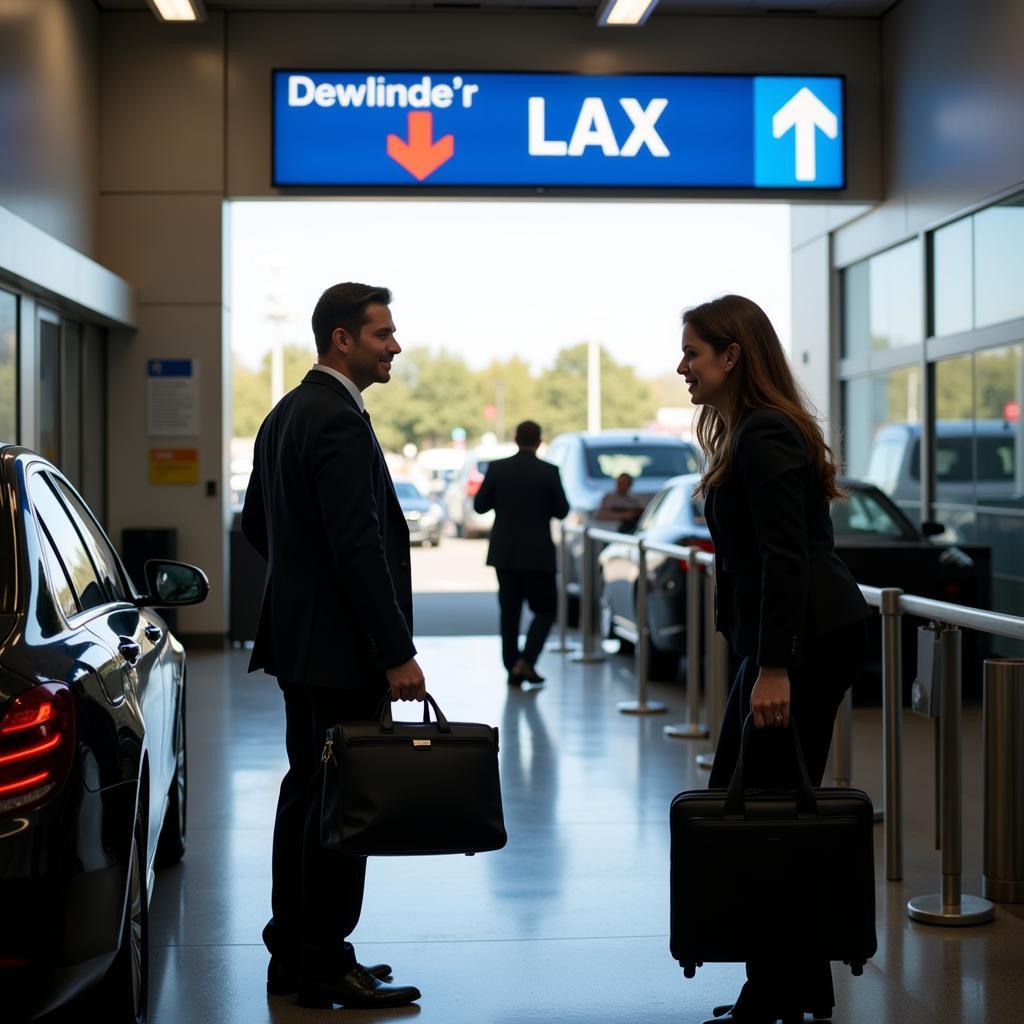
856,310
881,428
99,547
65,537
999,393
954,430
71,399
8,366
999,263
953,278
895,286
49,390
94,449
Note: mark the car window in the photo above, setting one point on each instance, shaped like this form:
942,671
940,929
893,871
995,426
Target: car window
605,461
407,489
884,465
996,457
60,585
647,518
67,542
96,540
672,509
863,514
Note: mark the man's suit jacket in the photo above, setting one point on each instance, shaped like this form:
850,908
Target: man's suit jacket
322,511
525,493
778,576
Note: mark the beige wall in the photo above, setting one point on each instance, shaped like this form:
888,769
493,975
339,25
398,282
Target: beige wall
49,116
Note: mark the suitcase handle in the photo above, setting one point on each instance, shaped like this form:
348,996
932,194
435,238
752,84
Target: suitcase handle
806,804
387,721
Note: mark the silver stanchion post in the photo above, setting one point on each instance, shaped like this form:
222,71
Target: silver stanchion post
562,645
842,743
951,906
588,604
693,729
892,738
716,687
641,706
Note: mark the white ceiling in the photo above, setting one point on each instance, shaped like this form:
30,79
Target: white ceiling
832,8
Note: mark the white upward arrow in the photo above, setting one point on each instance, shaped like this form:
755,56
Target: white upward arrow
805,112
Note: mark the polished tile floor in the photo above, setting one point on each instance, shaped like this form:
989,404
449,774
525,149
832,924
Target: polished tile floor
570,921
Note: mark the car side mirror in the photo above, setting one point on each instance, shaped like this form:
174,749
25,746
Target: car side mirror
930,529
172,584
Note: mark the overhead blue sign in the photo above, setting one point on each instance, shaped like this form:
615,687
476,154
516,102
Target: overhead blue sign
395,129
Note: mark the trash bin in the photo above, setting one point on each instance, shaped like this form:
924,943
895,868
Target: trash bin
1003,723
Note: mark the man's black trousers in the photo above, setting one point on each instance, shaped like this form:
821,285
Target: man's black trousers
831,664
317,894
537,589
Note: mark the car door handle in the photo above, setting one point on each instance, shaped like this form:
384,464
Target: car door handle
154,634
129,650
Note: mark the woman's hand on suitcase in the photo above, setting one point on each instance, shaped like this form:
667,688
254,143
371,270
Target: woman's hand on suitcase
406,681
769,699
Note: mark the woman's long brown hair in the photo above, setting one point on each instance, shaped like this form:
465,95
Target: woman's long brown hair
761,379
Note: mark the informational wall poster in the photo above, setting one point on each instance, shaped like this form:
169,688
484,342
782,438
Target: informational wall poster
173,399
409,129
173,466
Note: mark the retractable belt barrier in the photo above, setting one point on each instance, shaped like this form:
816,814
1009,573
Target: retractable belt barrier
949,907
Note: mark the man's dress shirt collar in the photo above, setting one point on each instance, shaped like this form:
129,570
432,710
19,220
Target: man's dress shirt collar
348,384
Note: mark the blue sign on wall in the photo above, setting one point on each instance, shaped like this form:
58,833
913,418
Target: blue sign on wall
395,129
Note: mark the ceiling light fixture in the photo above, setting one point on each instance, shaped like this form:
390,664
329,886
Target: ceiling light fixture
624,12
179,10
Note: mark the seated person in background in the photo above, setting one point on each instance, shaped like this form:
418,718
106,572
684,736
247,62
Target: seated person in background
620,506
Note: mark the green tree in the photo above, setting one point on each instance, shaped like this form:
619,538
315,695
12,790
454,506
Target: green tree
626,400
250,399
509,385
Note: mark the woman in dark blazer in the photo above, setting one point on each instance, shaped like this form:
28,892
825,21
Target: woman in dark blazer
787,603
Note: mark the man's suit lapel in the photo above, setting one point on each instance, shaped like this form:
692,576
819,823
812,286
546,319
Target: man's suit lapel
319,377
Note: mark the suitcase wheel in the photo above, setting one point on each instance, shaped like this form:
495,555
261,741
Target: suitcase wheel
856,967
689,970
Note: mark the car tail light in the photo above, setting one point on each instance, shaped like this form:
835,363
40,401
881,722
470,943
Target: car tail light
473,482
695,542
37,742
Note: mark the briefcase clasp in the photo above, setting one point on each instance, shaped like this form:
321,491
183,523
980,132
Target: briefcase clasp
421,744
328,754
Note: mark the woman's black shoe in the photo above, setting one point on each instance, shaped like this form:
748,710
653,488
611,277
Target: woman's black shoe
358,990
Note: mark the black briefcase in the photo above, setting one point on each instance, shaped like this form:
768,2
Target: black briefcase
405,788
761,873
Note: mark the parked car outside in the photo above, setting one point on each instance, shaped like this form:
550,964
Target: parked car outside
589,462
93,768
873,536
423,515
673,516
461,492
975,460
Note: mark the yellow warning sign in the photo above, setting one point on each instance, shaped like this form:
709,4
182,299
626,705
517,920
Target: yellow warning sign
174,465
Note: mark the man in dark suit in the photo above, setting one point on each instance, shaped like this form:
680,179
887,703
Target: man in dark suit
525,493
335,628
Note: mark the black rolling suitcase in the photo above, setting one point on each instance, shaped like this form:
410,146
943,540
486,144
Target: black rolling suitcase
761,873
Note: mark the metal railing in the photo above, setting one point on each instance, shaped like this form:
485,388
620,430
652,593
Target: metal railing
950,906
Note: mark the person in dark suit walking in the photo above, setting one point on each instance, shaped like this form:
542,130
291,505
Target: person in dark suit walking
335,628
789,606
525,493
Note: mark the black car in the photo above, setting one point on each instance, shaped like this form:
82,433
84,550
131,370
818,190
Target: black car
873,537
92,748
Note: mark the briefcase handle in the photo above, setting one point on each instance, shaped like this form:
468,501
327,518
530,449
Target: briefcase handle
387,721
805,801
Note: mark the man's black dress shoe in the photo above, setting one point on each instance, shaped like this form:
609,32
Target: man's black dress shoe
731,1014
358,990
283,975
525,670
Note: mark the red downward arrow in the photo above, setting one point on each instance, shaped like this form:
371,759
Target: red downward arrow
421,156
